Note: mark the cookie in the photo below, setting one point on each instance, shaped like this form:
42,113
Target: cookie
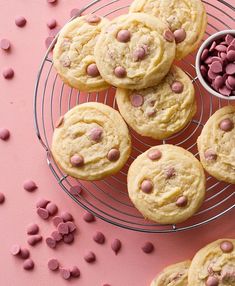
162,110
166,184
132,52
216,145
186,19
73,55
173,275
214,265
91,141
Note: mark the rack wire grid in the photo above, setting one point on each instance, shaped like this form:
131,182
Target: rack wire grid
108,199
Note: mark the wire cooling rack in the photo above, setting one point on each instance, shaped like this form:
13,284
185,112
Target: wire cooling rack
108,199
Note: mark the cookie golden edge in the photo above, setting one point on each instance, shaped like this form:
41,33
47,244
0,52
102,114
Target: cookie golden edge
159,135
98,176
171,269
195,268
70,81
215,174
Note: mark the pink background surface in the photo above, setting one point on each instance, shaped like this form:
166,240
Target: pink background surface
23,157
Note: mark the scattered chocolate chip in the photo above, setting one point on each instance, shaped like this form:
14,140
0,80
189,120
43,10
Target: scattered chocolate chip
52,1
154,154
77,160
28,264
15,249
72,227
29,185
32,229
42,203
95,134
147,186
148,247
53,264
90,257
63,228
65,273
136,100
56,235
120,72
116,245
2,198
88,217
226,125
52,208
92,70
75,272
51,24
50,242
68,238
75,12
4,134
99,237
182,201
124,36
5,44
113,155
66,216
180,35
226,246
43,213
24,253
8,73
34,239
57,220
20,21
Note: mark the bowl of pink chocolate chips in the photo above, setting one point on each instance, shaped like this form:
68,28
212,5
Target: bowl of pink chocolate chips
215,64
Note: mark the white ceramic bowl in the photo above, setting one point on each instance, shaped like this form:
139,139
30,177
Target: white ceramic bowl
205,44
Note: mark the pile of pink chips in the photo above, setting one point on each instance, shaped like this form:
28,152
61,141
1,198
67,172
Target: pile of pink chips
218,65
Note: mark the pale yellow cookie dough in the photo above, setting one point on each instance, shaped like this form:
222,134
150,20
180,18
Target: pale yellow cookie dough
176,177
146,35
163,112
217,147
173,275
74,52
73,138
187,14
211,264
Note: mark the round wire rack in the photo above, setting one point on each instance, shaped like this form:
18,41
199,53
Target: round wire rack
108,199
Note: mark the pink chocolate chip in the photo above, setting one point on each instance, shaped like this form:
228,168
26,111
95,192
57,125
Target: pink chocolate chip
113,155
182,201
226,125
56,235
66,216
77,160
5,44
204,55
216,67
231,48
226,246
2,198
53,264
231,81
212,47
15,249
34,239
231,56
88,217
148,247
4,134
210,155
20,21
8,73
116,245
28,264
230,68
120,72
92,70
75,12
180,35
90,257
57,220
169,36
72,227
63,228
32,229
99,238
65,273
68,238
24,253
29,185
50,242
228,85
51,24
139,54
224,90
203,70
229,38
95,134
123,36
221,48
223,56
42,203
75,272
136,100
208,61
147,186
219,81
154,154
170,172
43,213
52,208
212,281
52,1
177,87
211,74
93,19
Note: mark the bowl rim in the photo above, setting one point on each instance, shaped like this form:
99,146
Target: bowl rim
198,60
